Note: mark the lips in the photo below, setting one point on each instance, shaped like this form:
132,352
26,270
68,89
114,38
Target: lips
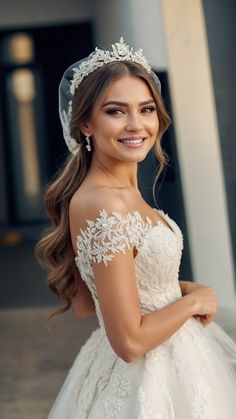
131,140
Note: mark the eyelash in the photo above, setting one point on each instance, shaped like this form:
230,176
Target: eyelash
116,111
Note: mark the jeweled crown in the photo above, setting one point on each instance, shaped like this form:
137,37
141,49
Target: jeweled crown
120,52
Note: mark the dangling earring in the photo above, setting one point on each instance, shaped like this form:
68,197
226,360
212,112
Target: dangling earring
88,145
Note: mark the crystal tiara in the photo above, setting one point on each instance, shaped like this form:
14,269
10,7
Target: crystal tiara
120,52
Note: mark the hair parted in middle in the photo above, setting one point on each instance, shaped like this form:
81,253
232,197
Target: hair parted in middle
55,250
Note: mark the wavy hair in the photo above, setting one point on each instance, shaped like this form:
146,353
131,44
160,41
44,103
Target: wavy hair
54,251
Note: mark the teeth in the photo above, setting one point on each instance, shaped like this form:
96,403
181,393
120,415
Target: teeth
132,141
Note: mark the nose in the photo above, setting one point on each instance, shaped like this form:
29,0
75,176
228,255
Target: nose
134,123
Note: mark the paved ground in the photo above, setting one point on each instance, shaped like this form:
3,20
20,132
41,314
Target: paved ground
34,363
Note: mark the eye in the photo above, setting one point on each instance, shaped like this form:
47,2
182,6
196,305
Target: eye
149,109
114,111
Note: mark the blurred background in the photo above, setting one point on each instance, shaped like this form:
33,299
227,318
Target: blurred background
190,46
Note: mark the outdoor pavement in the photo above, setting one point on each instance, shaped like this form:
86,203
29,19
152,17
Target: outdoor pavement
34,363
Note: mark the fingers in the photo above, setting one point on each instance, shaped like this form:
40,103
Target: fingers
205,319
208,319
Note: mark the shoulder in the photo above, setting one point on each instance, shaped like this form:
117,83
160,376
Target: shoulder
100,226
91,204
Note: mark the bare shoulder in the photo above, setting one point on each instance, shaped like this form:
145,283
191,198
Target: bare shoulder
86,205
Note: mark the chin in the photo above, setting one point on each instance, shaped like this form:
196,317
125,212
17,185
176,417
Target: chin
135,158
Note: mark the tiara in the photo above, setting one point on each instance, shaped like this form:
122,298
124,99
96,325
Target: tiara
120,52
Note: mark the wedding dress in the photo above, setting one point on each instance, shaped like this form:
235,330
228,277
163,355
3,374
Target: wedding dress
189,376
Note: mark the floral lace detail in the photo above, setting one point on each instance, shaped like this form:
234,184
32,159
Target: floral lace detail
146,410
111,234
120,388
94,354
155,362
193,376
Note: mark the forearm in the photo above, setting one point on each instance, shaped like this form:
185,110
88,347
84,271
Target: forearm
184,286
158,326
188,286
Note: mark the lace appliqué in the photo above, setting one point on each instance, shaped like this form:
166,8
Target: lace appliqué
109,235
192,374
155,362
91,379
146,411
120,388
83,364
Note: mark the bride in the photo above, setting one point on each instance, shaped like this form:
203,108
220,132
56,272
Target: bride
157,353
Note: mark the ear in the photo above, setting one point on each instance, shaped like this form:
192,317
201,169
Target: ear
85,128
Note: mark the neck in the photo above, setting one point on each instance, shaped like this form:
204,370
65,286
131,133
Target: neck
115,173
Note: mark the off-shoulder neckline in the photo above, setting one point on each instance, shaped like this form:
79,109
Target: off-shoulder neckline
163,221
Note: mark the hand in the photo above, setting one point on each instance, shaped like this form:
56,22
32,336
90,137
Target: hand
187,287
204,319
205,302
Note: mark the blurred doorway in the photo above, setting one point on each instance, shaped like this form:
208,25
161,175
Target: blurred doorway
32,62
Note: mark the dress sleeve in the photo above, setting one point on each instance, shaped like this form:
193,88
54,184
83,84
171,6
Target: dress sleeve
108,235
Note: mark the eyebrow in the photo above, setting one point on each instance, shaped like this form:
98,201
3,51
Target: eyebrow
116,102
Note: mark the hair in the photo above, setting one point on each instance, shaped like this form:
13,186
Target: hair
54,251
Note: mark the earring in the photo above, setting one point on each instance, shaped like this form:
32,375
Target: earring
88,145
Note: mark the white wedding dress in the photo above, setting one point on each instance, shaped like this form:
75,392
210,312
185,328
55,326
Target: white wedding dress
189,376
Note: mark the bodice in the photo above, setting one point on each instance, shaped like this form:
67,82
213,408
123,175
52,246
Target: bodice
159,250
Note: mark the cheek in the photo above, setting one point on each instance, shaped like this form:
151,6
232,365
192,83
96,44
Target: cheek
107,128
157,126
153,125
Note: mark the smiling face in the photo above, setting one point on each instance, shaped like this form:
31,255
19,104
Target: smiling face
124,126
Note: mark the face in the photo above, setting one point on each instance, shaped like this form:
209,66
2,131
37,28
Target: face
125,125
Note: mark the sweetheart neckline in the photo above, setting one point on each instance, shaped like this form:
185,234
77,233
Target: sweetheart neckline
166,224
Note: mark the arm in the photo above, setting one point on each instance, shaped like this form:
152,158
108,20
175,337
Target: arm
188,286
83,304
131,334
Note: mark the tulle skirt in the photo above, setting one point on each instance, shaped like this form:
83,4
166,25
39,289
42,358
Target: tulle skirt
190,376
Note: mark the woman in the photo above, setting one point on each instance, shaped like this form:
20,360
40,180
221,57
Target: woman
152,356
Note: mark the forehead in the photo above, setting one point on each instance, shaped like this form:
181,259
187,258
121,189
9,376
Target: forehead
128,88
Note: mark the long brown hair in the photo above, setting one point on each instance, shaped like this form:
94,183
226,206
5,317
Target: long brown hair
54,250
